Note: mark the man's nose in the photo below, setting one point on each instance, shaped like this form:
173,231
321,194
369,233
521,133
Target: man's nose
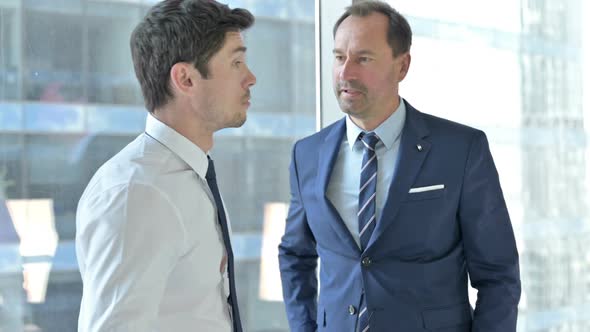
251,79
347,71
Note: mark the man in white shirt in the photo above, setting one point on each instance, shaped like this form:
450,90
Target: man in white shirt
152,237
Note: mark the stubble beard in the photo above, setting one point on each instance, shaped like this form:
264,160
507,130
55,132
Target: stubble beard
220,116
352,107
238,120
239,117
355,108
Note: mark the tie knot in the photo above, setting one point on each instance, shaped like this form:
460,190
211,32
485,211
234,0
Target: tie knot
210,170
369,139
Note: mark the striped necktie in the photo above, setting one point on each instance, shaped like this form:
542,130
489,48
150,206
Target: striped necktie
367,188
366,214
221,218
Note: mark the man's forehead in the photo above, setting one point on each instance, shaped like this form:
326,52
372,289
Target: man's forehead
233,43
234,36
359,44
374,23
361,34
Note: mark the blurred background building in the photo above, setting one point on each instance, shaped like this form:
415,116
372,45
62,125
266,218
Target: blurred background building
69,100
556,229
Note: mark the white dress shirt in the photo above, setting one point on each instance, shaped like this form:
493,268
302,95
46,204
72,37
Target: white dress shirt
148,242
343,189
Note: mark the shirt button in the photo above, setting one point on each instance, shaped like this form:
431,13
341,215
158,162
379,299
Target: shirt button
351,310
366,261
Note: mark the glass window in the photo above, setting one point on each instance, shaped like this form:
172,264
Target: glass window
111,79
53,55
9,53
80,104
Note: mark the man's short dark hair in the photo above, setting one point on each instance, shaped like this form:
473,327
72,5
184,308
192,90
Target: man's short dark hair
180,31
399,33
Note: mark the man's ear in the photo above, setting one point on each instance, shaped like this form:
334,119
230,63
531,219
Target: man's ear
405,60
183,77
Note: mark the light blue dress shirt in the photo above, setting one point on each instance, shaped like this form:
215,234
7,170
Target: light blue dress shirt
343,189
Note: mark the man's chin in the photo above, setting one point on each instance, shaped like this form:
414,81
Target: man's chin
238,122
348,108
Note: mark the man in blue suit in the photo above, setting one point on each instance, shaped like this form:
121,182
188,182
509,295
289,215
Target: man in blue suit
399,206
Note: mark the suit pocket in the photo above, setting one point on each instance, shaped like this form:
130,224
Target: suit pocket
447,317
420,196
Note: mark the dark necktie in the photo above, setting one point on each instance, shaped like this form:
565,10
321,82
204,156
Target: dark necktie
233,300
366,214
367,188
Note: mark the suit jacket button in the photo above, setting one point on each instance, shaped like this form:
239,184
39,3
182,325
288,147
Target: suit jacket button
366,261
351,310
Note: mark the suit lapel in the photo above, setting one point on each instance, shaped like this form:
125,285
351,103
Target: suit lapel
328,153
413,151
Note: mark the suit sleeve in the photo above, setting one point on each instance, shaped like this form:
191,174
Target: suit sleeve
490,247
298,262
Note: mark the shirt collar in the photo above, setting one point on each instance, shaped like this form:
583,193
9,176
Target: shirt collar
388,131
180,145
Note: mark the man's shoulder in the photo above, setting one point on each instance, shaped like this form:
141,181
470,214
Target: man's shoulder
141,162
443,126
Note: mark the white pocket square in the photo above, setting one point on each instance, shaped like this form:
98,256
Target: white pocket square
428,188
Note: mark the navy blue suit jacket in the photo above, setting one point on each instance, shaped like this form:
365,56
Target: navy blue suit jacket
415,268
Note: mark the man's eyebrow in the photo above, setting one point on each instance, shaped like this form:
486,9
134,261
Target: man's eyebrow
365,52
239,49
360,52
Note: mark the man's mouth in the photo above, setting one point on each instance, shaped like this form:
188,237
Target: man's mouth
246,98
350,92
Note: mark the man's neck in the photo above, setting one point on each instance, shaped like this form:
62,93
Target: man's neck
186,124
371,123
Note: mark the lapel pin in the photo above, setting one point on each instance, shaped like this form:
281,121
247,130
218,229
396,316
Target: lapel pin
419,147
